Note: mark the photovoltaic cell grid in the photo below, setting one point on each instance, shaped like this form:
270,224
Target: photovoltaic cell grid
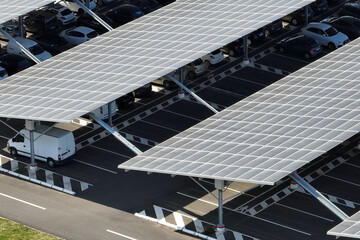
271,133
10,9
118,62
348,228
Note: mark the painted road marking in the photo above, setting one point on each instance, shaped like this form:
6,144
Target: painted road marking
310,214
106,150
4,137
182,115
92,165
158,125
342,180
121,235
19,200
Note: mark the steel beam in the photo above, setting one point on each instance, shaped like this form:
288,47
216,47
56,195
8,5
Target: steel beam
116,134
326,202
193,94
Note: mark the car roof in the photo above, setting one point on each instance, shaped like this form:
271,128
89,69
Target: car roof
322,26
26,41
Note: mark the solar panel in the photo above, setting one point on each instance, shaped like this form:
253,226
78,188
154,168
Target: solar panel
94,73
14,8
271,133
348,228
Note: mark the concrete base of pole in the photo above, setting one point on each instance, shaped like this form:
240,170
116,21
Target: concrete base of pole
220,228
246,61
33,167
181,94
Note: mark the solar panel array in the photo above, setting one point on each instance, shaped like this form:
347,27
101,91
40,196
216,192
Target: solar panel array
14,8
348,228
99,71
271,133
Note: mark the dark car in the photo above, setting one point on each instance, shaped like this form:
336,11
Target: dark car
52,43
41,21
297,17
145,5
319,6
144,91
123,14
125,101
234,48
348,25
273,28
256,36
306,47
88,21
350,9
14,63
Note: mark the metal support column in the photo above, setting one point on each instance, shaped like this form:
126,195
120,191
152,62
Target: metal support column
246,50
116,134
192,94
326,202
21,28
27,52
181,74
307,15
110,114
96,17
219,184
31,126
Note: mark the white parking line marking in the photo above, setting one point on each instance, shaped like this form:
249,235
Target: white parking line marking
259,218
49,177
67,183
122,155
353,165
92,165
19,200
295,59
121,235
179,220
311,214
159,214
341,180
196,119
4,137
245,80
158,125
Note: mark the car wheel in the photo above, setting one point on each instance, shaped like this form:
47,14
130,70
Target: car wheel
191,75
267,33
281,49
294,22
331,46
231,53
13,152
307,55
51,162
207,63
167,85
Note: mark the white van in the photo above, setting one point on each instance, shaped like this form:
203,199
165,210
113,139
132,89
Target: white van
102,112
32,46
55,147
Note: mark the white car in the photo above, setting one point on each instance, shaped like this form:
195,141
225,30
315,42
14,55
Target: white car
63,14
325,34
12,29
78,35
213,58
32,46
3,73
73,6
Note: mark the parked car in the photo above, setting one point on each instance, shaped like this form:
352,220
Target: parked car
30,45
325,34
346,24
12,29
234,48
3,73
298,17
304,46
103,2
319,6
63,14
123,14
40,21
213,58
73,6
145,5
256,36
166,82
52,42
273,28
144,91
195,68
350,9
14,63
125,101
78,35
88,21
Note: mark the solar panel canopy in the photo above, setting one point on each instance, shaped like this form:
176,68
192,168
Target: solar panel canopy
348,228
271,133
99,71
14,8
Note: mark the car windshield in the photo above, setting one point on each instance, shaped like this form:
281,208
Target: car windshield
66,12
92,34
331,31
216,52
36,49
198,62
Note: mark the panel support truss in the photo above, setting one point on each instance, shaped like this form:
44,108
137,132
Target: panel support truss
192,94
326,202
116,134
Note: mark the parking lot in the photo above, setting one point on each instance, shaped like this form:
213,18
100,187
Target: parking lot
261,212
